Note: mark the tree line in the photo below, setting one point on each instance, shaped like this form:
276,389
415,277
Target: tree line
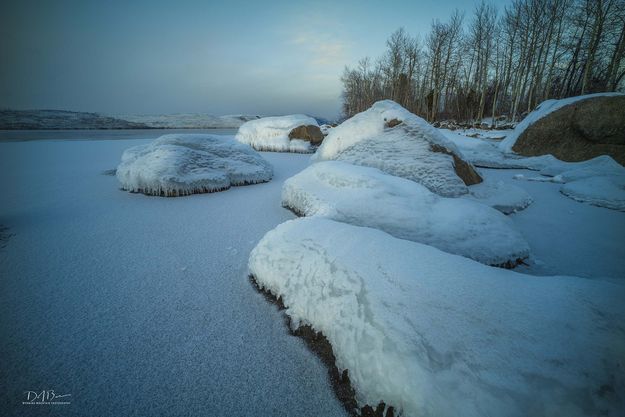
497,64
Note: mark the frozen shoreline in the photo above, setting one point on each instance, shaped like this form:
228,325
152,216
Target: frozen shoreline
137,304
106,292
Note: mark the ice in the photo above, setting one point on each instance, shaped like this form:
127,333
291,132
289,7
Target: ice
608,192
434,334
183,164
543,109
506,198
404,150
368,197
272,133
95,302
486,153
599,181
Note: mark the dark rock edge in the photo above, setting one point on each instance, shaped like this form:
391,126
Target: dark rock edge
319,345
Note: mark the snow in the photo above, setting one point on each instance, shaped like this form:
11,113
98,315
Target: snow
368,197
175,165
435,334
543,109
140,306
566,237
486,153
606,192
189,120
325,129
272,133
403,151
599,181
506,198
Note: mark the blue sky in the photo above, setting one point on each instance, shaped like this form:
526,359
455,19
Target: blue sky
195,56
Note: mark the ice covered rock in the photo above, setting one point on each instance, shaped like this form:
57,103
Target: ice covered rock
573,129
293,133
182,164
434,334
368,197
392,139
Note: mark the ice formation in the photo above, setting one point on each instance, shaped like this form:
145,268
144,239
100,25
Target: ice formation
434,334
272,133
182,164
392,139
368,197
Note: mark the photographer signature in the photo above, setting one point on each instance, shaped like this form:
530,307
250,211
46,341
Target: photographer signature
45,397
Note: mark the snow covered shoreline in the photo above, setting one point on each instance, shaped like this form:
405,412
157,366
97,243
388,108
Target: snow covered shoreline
166,305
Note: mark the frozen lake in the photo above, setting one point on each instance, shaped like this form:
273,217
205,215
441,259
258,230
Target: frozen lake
141,305
28,135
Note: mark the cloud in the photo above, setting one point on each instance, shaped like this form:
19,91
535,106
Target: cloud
323,49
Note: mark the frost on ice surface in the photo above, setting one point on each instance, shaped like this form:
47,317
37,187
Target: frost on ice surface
608,191
599,181
434,334
543,109
176,165
272,133
572,171
392,139
368,197
506,198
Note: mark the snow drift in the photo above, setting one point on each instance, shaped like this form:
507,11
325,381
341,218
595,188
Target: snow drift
177,165
434,334
367,197
273,133
392,139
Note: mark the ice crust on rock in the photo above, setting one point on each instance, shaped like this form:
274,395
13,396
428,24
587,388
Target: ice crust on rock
272,133
392,139
365,196
435,334
183,164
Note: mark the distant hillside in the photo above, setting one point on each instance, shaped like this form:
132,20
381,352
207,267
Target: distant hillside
61,119
189,120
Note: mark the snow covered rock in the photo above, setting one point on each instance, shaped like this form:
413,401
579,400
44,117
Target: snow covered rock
293,133
365,196
506,198
573,129
177,165
392,139
325,129
434,334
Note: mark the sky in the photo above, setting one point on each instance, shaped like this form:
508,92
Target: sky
228,57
